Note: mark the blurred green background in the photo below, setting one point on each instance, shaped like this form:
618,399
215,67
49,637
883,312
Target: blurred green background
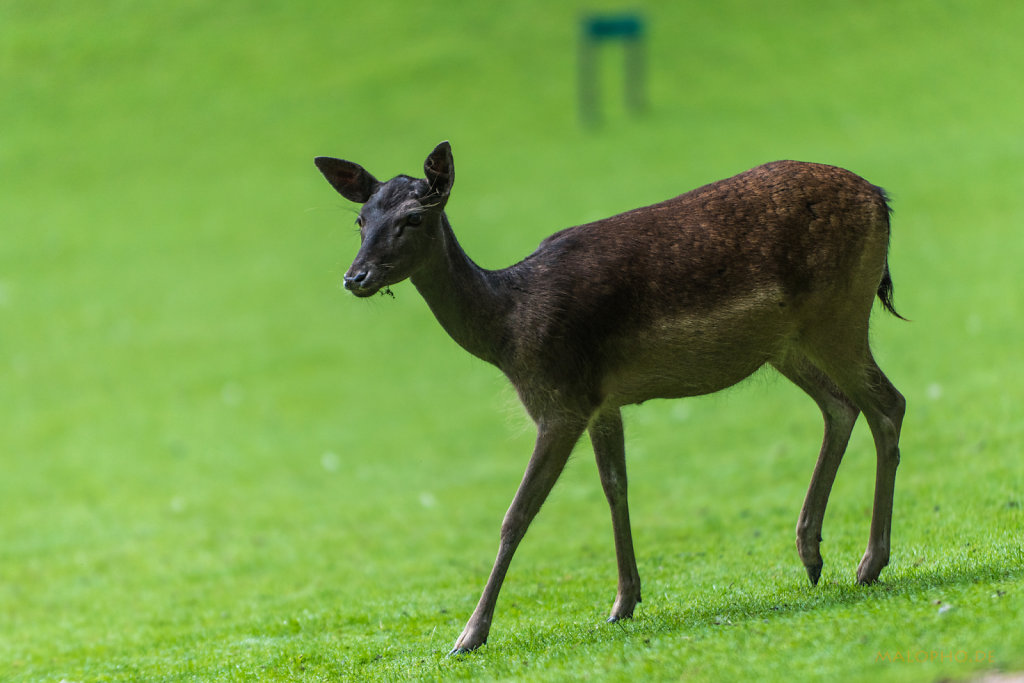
216,464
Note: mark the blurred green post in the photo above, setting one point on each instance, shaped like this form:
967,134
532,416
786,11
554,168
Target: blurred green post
629,29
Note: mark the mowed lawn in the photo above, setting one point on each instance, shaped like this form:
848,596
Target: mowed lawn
217,465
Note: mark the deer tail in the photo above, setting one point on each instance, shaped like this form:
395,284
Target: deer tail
885,292
885,288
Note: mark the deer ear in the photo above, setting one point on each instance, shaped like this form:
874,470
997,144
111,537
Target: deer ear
352,180
440,170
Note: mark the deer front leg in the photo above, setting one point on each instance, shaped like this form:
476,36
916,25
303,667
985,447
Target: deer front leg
554,444
610,452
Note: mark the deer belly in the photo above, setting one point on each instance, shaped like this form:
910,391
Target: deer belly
691,355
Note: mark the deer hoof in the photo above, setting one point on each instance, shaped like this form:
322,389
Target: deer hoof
470,640
622,609
618,617
460,650
870,567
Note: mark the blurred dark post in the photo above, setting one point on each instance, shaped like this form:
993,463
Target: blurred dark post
627,29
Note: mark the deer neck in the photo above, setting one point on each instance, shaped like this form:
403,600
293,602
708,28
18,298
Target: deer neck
470,302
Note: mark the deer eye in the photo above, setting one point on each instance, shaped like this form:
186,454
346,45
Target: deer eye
359,221
414,219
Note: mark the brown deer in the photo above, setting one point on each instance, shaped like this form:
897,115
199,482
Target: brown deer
777,265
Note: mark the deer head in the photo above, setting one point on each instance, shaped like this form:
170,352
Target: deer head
399,220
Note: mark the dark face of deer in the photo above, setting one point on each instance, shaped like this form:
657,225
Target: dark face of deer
395,228
399,219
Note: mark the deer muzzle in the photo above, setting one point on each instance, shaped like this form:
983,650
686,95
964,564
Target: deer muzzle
360,281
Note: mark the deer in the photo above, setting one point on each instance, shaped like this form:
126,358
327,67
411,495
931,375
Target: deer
777,266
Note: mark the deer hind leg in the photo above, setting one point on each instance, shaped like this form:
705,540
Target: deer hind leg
860,378
883,407
839,414
609,450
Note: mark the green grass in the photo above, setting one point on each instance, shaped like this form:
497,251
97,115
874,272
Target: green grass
216,465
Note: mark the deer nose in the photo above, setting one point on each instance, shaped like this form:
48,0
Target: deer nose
353,281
